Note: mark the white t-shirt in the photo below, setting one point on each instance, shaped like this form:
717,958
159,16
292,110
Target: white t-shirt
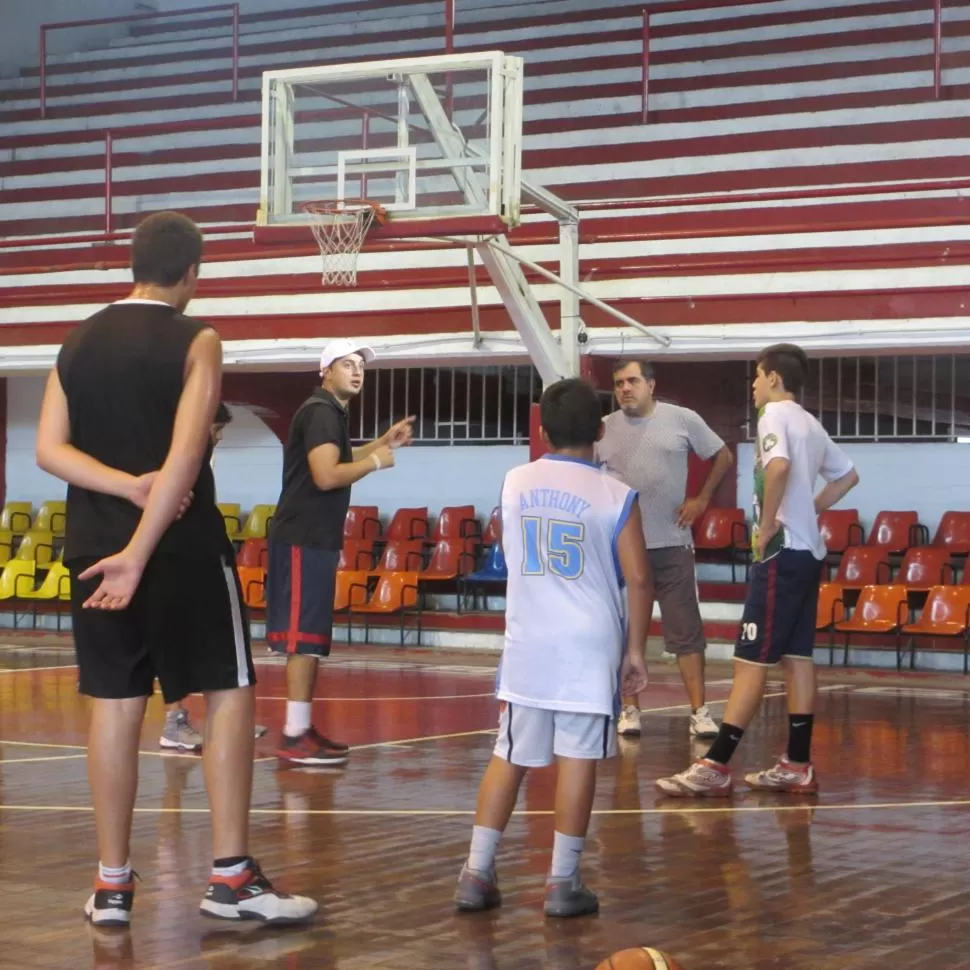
564,626
787,430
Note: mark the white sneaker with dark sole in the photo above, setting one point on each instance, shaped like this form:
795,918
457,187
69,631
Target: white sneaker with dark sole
702,725
629,722
251,896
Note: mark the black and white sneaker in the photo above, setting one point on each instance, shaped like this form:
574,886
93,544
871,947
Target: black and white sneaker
250,895
110,903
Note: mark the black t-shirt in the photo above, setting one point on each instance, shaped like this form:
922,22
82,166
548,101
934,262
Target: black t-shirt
305,515
122,372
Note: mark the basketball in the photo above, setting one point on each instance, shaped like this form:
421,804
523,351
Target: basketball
640,958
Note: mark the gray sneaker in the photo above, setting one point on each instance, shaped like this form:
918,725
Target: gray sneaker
477,890
569,897
179,733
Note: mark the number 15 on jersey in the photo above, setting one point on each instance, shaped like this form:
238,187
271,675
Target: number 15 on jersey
562,553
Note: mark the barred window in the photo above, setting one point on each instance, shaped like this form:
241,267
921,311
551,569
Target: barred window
452,405
892,398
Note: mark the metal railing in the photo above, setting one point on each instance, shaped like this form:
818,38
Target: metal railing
46,29
648,12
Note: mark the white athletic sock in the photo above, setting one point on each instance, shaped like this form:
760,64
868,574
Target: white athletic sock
481,855
566,850
116,876
297,718
227,871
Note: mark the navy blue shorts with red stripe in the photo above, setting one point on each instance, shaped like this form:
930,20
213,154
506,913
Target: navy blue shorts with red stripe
300,583
779,612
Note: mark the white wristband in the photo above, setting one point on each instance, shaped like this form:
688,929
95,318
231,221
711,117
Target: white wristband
377,462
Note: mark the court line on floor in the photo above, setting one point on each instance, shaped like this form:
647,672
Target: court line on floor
49,757
532,813
418,697
27,670
83,747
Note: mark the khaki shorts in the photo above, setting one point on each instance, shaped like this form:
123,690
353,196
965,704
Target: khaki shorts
532,737
675,589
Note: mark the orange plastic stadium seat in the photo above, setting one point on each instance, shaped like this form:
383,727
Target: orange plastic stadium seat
451,558
897,531
400,556
408,524
456,522
864,566
395,593
926,566
253,552
945,614
723,531
840,529
880,610
362,522
356,554
493,531
351,589
253,582
830,610
953,533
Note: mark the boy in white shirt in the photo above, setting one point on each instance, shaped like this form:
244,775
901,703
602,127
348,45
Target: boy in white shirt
571,535
778,624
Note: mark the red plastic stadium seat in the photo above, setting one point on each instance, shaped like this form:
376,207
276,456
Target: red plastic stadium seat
897,531
840,529
954,533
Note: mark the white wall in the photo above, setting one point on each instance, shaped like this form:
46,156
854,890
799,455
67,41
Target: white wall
248,461
25,481
931,478
22,19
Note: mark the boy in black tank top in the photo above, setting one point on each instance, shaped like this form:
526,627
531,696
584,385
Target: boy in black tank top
154,591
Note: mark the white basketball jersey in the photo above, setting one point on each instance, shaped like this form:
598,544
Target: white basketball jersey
564,622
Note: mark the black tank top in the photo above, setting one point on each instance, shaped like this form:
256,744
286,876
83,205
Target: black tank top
122,372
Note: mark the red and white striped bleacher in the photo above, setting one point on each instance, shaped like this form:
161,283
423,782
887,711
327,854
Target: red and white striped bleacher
797,177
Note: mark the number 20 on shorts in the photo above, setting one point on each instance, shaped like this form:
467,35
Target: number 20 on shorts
564,547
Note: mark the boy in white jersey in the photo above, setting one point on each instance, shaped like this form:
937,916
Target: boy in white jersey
571,535
778,624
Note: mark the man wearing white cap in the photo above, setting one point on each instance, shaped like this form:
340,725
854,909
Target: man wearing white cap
306,534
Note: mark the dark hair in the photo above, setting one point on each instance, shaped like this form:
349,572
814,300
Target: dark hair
646,369
789,362
571,413
223,415
164,248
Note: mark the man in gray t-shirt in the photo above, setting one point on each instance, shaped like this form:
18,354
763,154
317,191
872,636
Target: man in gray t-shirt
646,444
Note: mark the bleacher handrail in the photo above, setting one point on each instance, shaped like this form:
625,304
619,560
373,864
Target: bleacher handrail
45,29
678,7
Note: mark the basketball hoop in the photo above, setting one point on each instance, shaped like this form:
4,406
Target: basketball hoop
340,229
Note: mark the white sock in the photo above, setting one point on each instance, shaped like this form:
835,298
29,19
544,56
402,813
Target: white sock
297,718
235,870
116,876
481,855
566,850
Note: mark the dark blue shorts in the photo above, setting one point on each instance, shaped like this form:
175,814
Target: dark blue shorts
779,612
300,584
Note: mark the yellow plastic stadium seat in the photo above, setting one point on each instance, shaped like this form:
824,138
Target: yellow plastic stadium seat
232,516
36,547
6,546
17,579
16,517
51,517
55,585
258,522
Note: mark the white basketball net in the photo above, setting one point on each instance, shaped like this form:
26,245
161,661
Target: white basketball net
340,230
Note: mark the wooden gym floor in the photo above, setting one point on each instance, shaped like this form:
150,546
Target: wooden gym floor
872,873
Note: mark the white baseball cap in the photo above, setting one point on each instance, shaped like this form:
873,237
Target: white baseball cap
343,347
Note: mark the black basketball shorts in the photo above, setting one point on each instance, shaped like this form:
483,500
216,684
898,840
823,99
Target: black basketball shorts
186,625
300,586
779,612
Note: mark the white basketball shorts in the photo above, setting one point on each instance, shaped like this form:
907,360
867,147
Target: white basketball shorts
532,737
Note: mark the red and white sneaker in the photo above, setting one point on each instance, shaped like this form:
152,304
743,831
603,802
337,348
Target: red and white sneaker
250,895
703,779
110,903
785,776
312,748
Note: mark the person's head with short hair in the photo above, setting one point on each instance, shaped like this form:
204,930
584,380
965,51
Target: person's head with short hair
166,252
780,375
219,422
633,385
342,368
571,416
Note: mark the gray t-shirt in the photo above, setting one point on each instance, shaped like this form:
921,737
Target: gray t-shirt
650,455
